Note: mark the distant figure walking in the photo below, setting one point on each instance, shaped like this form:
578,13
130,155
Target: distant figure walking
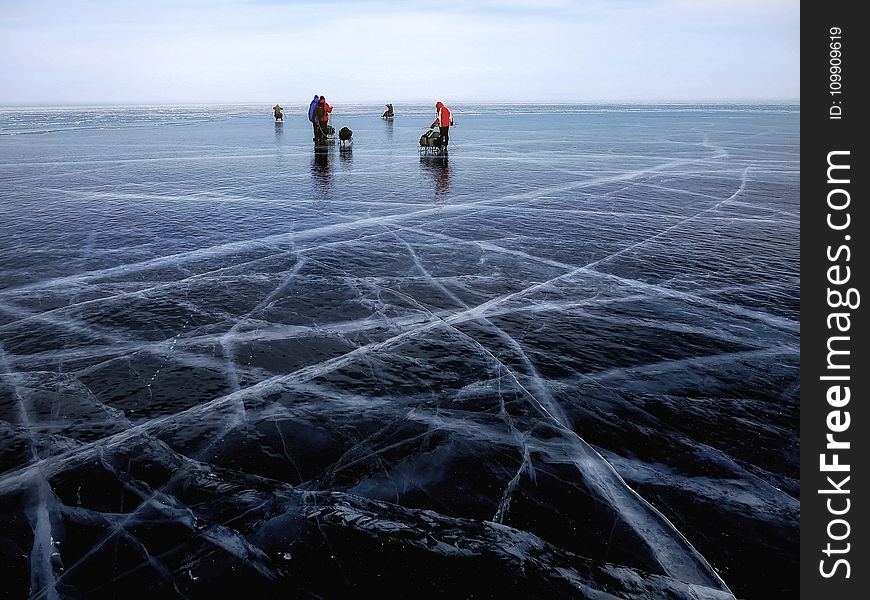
388,114
279,112
443,120
311,109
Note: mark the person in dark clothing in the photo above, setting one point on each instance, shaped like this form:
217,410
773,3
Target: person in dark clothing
279,112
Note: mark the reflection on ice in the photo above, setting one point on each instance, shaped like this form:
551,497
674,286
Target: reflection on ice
577,370
439,171
321,168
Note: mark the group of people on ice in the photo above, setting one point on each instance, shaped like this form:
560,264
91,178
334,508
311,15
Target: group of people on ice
318,114
319,111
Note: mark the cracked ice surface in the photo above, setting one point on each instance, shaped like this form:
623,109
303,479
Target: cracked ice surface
561,363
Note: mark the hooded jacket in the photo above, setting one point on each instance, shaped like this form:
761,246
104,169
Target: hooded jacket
311,108
444,118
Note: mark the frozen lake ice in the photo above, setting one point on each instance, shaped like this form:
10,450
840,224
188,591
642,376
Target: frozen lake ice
562,359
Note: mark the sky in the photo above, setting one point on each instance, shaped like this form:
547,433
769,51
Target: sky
215,51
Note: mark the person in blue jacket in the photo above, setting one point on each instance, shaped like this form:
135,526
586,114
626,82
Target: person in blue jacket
314,124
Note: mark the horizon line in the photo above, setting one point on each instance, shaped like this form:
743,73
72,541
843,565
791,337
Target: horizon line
91,104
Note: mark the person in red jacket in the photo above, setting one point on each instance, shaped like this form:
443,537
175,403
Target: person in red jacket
325,109
443,120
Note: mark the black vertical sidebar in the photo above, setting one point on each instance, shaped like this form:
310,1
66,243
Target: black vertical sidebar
835,436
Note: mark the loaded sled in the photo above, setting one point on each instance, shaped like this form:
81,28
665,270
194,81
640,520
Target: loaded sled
431,142
328,137
345,137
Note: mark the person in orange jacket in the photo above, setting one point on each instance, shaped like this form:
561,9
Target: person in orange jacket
443,120
324,113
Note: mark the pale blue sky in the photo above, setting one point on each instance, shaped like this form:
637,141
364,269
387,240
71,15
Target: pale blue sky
96,51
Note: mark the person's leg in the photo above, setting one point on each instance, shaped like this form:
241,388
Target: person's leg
445,137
